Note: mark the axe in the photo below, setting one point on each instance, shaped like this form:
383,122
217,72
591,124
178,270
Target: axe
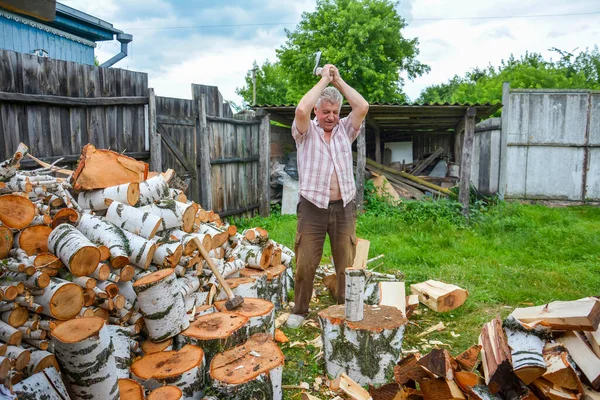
234,301
317,70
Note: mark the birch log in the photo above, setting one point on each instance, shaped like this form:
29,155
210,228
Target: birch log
19,355
9,168
215,333
255,286
186,240
184,368
122,353
141,251
250,371
260,313
39,361
75,251
153,190
161,304
127,193
219,237
6,240
134,220
355,286
47,385
168,253
174,214
61,300
9,334
255,256
348,346
84,351
104,233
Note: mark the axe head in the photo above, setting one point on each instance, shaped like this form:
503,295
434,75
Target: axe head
317,70
234,303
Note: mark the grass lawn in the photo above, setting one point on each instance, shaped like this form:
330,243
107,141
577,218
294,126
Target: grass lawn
509,256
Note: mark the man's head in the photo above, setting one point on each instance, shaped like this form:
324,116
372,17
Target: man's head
328,108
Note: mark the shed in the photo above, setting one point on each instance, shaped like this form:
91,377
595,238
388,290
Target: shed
71,35
406,129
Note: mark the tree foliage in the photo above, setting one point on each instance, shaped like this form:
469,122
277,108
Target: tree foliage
531,71
362,38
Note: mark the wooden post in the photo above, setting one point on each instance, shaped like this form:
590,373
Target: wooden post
155,140
465,160
378,146
361,162
264,188
202,132
504,139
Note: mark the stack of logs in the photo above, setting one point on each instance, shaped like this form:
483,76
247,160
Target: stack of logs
100,273
545,352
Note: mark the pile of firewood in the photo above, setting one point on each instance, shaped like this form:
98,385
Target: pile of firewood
101,277
546,352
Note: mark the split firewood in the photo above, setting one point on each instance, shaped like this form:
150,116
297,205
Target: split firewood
344,383
560,369
9,168
496,362
578,315
593,339
255,366
467,380
468,358
408,370
441,388
590,394
439,296
412,302
440,363
385,392
99,169
547,390
584,357
408,393
435,328
184,368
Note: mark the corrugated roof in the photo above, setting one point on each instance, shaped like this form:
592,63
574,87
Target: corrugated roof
401,117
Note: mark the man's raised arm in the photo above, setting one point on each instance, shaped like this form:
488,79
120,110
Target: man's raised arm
360,107
309,100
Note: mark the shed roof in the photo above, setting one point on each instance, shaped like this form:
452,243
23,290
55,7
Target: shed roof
397,118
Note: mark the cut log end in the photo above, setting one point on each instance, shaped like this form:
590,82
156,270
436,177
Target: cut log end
166,364
250,307
6,241
215,326
16,212
130,390
77,330
65,216
153,277
85,261
225,367
166,393
119,261
149,347
34,239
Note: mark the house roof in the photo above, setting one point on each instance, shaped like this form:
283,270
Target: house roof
398,118
81,24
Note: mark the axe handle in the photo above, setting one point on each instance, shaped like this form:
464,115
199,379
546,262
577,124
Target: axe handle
213,268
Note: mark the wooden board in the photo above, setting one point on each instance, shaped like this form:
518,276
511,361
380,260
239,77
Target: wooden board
362,253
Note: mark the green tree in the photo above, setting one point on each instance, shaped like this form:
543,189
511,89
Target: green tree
363,38
531,71
271,84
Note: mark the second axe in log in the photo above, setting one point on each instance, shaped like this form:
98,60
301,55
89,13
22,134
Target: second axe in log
233,301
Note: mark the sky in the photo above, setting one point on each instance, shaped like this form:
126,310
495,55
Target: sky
179,42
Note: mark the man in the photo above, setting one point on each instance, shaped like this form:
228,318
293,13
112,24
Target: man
327,189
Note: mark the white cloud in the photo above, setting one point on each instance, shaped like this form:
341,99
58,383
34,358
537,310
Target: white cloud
176,58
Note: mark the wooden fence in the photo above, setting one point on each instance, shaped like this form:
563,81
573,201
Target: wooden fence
56,107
